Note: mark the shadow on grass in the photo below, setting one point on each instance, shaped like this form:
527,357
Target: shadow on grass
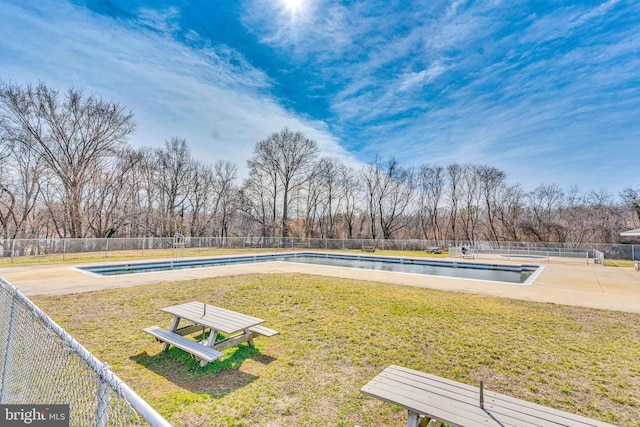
217,378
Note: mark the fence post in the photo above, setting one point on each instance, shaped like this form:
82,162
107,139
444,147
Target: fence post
13,249
107,254
64,248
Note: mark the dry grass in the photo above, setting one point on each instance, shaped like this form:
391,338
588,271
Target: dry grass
337,334
618,262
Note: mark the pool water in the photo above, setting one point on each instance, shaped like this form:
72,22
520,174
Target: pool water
514,274
463,270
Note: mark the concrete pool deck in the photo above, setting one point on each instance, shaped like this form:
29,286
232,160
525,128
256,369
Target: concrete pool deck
593,285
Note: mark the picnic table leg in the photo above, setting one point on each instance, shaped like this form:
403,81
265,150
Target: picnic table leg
210,342
417,420
174,327
250,340
212,338
414,419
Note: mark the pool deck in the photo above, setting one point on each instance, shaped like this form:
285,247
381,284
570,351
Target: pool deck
593,285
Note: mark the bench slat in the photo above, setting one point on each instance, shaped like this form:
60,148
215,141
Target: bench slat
465,411
200,351
261,330
458,404
432,406
497,403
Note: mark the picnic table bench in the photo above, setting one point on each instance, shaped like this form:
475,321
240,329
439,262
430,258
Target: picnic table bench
367,248
237,327
431,398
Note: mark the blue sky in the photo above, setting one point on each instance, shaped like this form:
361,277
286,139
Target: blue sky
549,92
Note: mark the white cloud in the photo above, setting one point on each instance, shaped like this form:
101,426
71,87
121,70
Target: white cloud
562,22
318,27
596,12
410,80
161,20
535,93
213,97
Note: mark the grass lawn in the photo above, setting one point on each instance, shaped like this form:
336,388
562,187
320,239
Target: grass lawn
336,334
618,263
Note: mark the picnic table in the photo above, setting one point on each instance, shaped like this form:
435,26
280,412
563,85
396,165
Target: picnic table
237,327
429,398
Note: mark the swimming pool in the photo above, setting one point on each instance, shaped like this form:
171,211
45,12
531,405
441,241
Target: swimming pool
513,274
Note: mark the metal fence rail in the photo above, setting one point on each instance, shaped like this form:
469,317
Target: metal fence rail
146,245
40,363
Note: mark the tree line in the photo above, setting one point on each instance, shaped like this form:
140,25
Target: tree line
68,171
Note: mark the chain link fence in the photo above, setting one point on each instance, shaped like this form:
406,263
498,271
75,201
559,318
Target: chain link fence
149,246
40,363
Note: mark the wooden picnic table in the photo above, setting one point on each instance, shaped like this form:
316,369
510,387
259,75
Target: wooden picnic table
237,327
431,398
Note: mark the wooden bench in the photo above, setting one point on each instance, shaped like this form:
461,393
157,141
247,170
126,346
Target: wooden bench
430,398
368,249
261,330
434,250
197,350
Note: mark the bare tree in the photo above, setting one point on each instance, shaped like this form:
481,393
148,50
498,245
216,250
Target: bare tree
631,198
20,179
7,204
352,195
258,199
5,144
107,194
145,194
509,212
226,194
286,157
57,221
74,134
200,198
470,197
174,166
330,173
603,217
454,174
431,187
544,204
396,209
389,189
371,175
311,194
491,183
